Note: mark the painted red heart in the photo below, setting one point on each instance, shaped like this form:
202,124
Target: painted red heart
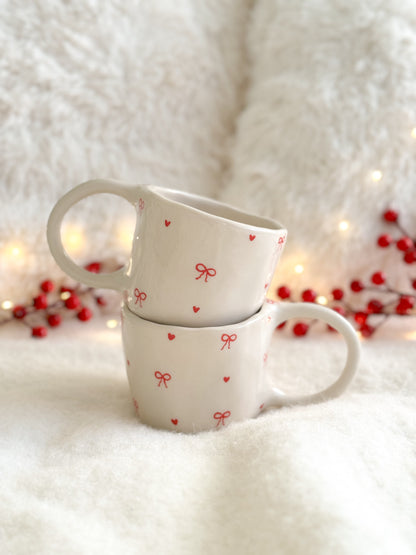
196,309
167,223
261,406
171,336
266,285
252,237
226,378
174,421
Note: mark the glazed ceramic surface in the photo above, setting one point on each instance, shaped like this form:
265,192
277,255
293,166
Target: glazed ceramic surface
192,379
194,262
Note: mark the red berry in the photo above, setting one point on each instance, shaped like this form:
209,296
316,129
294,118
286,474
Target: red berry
404,244
337,294
84,314
54,320
356,286
375,306
391,216
281,326
405,304
309,296
367,330
283,292
414,284
39,331
40,302
340,310
410,256
94,267
19,312
378,278
47,286
101,301
360,318
384,240
300,329
72,302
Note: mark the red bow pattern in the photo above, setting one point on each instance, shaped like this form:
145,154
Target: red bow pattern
221,416
204,271
163,378
140,296
228,339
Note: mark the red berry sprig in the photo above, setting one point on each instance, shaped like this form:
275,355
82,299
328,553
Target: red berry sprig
52,304
385,303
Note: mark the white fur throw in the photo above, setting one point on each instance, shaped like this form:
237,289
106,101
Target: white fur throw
142,91
331,98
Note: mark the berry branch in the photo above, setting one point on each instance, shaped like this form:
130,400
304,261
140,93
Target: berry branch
387,302
52,304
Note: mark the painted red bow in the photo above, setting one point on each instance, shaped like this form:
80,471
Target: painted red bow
140,296
221,416
204,271
281,242
228,339
163,378
141,204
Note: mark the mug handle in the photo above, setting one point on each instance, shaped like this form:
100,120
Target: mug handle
284,311
114,280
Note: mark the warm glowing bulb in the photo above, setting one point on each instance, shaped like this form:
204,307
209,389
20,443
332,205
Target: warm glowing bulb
359,334
73,239
124,234
376,175
112,324
322,300
413,132
6,305
411,335
299,268
344,225
65,295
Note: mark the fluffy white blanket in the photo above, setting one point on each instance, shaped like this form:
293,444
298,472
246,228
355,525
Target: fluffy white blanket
81,475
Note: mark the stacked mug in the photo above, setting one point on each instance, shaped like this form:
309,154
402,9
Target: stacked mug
196,323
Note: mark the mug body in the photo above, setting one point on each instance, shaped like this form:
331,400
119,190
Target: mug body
197,262
192,379
194,261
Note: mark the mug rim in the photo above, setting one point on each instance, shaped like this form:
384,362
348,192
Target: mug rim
238,325
271,225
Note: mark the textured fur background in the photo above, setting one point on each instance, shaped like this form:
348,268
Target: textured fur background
281,108
141,91
332,97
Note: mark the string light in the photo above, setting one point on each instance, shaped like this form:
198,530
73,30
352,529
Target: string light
112,324
299,268
7,305
65,295
344,225
322,300
413,132
410,335
376,175
125,234
73,239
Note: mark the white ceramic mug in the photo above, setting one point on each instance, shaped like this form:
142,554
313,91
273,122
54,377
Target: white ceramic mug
193,379
194,261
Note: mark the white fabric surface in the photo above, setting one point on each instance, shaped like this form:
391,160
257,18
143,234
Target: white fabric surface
81,475
330,98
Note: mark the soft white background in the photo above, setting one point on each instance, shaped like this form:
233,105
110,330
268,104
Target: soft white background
284,109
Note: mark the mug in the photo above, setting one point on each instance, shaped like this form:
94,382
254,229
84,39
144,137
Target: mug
193,379
194,261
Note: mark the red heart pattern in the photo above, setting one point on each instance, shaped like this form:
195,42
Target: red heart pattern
171,336
174,421
167,223
226,378
196,309
252,237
